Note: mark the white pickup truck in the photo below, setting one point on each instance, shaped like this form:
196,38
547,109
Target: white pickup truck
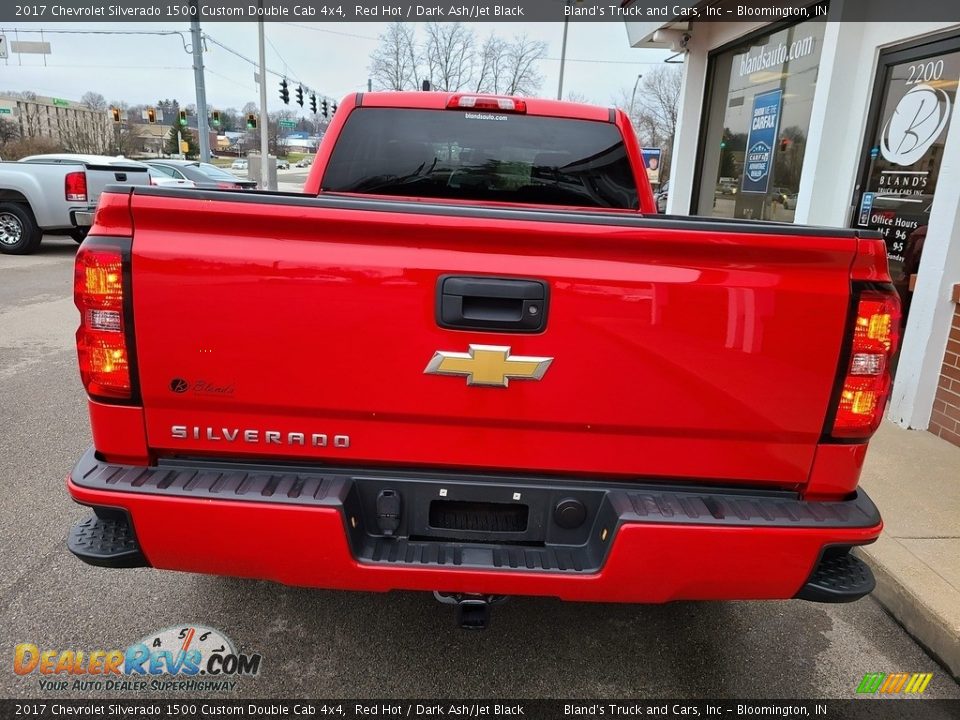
56,195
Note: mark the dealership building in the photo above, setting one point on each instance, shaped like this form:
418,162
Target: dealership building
829,122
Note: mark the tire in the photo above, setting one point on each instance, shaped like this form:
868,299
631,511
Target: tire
79,234
19,234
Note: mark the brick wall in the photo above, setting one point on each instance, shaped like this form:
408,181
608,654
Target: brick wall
945,420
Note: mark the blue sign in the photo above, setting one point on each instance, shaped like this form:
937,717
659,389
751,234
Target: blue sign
651,163
764,126
866,206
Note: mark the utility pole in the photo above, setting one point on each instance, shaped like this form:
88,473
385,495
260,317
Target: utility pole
196,43
633,95
563,53
264,131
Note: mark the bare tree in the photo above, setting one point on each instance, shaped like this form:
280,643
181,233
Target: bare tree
129,140
449,53
450,59
9,130
660,98
491,61
521,76
394,64
89,135
655,110
93,101
577,97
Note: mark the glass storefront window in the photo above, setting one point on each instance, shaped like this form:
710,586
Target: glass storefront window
916,97
757,123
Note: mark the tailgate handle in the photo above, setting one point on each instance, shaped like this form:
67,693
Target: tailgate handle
490,303
120,176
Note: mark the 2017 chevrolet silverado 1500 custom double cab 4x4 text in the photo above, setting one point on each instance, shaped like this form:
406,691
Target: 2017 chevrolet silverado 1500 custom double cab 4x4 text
472,359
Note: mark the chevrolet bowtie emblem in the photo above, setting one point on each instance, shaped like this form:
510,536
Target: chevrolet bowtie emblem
490,365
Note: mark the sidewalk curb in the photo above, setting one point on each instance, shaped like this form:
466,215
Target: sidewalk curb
919,599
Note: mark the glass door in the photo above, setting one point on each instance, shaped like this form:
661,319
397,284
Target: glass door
914,99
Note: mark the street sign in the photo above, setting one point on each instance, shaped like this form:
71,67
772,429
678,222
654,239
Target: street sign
6,111
288,124
30,47
3,47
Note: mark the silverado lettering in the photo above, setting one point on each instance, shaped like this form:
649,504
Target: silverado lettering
712,383
276,437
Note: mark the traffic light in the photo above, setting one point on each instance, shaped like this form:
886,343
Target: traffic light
116,115
300,95
251,121
313,103
183,117
325,108
333,110
151,115
284,92
215,118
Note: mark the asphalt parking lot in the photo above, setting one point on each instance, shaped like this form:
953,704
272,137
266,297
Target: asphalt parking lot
326,644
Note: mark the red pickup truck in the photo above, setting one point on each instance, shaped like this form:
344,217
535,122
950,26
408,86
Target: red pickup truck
471,358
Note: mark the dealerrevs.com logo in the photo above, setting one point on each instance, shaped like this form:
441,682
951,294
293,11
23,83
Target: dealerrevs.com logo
190,658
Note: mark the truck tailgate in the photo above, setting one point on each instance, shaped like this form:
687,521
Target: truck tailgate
680,348
99,176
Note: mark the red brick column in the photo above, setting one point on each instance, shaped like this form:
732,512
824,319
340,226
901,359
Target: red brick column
945,420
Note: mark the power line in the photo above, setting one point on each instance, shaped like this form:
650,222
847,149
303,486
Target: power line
267,70
330,32
105,67
607,62
286,65
238,83
93,32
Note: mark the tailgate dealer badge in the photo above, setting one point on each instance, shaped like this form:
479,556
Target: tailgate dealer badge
489,365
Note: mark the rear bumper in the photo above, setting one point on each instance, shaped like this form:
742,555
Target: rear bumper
82,218
320,528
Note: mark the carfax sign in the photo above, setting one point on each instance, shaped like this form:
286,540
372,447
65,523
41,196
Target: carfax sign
762,139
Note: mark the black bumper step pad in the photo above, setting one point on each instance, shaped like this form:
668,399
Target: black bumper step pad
838,577
532,539
106,541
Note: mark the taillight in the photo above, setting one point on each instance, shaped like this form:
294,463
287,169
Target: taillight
227,185
99,293
75,186
480,102
866,381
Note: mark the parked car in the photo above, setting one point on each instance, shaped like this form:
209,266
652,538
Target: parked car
56,194
163,180
480,376
203,175
283,165
304,162
779,195
661,197
238,165
790,203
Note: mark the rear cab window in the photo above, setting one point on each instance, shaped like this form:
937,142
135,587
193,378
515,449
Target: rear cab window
483,156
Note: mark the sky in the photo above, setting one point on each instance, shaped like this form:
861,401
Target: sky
331,58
